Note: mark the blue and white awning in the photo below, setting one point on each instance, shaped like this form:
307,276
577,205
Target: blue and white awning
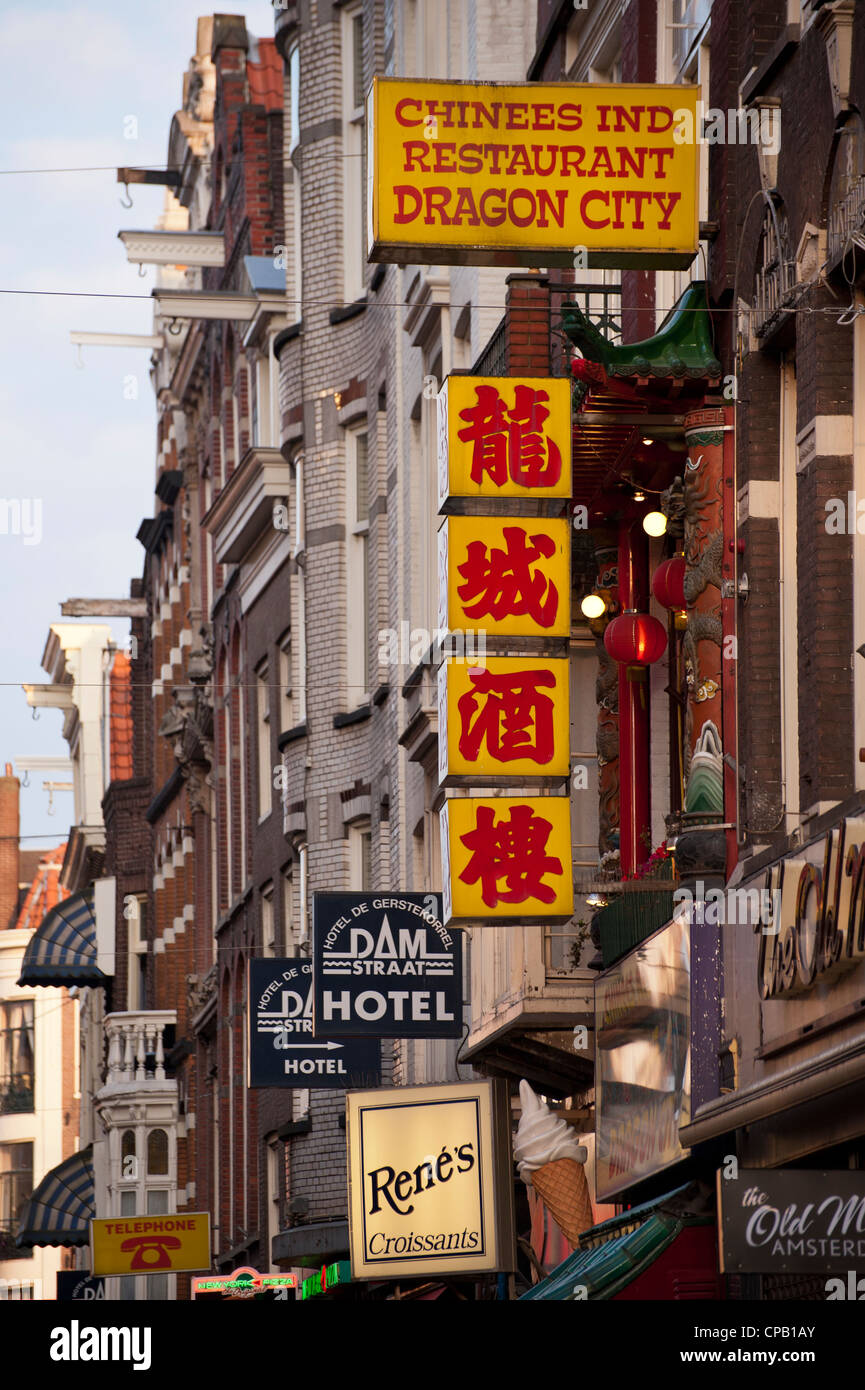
62,951
63,1205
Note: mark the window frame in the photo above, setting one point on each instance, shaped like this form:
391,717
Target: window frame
354,155
263,731
9,1077
358,606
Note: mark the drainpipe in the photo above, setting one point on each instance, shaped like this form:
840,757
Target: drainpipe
304,913
633,710
299,555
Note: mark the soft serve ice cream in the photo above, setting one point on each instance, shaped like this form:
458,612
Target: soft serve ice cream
552,1160
543,1137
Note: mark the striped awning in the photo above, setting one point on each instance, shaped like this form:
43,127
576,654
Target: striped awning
61,1208
62,951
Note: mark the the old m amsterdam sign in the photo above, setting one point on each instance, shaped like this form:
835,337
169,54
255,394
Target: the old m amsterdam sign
791,1221
812,923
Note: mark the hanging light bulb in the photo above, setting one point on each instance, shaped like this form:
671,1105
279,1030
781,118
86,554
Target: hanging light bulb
639,496
654,523
592,606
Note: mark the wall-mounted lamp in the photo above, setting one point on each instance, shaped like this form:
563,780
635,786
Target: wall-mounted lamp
654,523
597,900
592,606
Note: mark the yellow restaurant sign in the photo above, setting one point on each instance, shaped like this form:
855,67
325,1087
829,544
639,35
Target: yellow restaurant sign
507,857
150,1244
505,719
532,173
505,576
429,1181
504,437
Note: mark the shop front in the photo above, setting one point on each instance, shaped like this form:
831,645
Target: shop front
792,1064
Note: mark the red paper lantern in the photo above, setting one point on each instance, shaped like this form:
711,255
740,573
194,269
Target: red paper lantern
635,639
668,582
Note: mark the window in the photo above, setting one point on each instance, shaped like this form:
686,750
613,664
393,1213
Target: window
16,1186
268,932
157,1152
274,1156
360,856
128,1204
354,154
265,798
426,500
289,928
294,275
128,1156
136,980
16,1057
357,566
286,708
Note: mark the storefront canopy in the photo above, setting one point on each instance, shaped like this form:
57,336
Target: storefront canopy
617,1251
61,1208
62,951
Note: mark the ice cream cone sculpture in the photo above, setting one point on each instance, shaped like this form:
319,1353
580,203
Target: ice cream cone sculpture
551,1160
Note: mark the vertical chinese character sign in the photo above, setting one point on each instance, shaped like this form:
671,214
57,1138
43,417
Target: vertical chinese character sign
504,437
504,723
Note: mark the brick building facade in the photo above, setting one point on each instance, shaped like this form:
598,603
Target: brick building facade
276,748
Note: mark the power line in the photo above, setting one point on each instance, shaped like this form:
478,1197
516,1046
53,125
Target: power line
408,304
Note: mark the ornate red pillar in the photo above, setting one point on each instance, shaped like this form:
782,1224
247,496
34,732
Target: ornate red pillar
635,826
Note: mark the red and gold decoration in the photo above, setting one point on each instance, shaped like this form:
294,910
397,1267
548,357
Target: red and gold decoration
668,582
635,639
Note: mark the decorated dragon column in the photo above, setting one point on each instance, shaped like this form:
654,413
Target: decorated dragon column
704,845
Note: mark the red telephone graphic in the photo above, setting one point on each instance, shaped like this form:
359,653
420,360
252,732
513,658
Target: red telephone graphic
152,1252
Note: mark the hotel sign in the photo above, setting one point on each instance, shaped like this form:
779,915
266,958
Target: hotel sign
385,966
791,1221
430,1181
284,1049
532,173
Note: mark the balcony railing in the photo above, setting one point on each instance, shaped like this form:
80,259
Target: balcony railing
136,1048
16,1095
845,218
638,910
493,360
8,1249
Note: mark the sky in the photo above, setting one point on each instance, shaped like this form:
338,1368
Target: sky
77,444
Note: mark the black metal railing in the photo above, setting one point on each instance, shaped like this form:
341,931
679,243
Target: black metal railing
16,1095
638,912
493,360
601,305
